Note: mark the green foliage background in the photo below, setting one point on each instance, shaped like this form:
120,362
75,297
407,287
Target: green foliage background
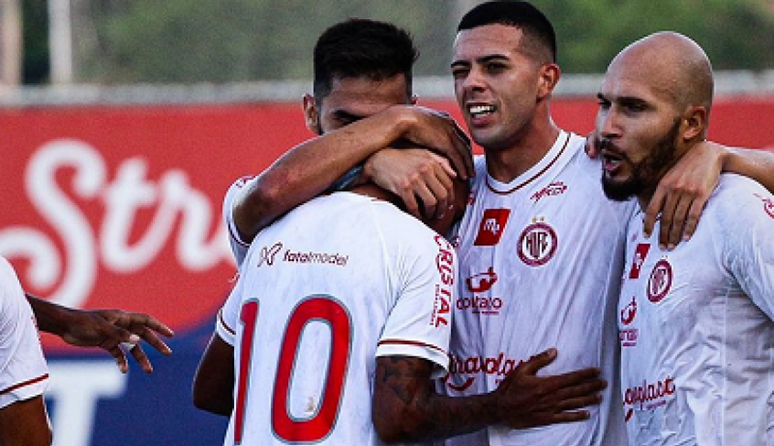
185,41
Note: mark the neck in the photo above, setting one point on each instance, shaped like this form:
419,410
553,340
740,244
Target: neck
506,164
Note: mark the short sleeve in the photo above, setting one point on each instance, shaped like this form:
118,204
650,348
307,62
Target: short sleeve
23,369
238,246
228,315
419,324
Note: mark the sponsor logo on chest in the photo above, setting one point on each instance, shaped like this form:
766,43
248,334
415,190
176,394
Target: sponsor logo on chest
649,395
628,334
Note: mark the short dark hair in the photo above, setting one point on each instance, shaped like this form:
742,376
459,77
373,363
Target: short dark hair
518,14
362,48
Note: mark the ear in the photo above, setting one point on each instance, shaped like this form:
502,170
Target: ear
548,77
695,122
311,114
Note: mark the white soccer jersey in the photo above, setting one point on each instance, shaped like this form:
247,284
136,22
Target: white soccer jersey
322,292
540,265
696,327
23,370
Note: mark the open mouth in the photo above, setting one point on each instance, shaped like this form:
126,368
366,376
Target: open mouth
480,111
611,161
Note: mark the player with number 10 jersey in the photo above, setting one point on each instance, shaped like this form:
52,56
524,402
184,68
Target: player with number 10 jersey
322,292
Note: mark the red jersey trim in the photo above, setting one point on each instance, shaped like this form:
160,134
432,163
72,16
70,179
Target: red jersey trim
534,177
24,384
415,343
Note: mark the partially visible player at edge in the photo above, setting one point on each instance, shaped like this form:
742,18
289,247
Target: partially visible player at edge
381,280
23,370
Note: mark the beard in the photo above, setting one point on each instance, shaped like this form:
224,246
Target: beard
647,173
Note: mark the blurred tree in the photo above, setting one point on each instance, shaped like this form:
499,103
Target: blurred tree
735,34
238,40
35,66
172,41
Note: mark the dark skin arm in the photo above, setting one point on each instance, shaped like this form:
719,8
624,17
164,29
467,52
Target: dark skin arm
308,169
213,385
106,329
25,423
406,407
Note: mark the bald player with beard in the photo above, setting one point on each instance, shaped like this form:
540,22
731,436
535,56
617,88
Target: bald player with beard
695,322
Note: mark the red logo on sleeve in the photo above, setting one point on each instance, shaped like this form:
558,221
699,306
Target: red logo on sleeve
492,226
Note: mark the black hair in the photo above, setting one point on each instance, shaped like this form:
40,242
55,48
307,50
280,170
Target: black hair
362,48
518,14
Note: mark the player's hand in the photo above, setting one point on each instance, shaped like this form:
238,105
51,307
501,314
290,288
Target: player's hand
592,145
422,179
682,193
118,331
528,400
438,131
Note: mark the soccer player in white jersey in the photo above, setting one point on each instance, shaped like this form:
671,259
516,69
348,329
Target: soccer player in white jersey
347,296
23,370
540,247
696,328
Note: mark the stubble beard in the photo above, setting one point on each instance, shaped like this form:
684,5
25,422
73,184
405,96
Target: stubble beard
647,173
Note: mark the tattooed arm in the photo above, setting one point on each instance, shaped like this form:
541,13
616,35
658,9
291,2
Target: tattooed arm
406,407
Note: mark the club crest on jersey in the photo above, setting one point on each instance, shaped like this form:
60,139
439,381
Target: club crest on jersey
492,226
768,205
660,281
268,254
537,243
553,189
639,258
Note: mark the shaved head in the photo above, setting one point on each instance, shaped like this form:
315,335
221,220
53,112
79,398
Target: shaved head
655,101
674,63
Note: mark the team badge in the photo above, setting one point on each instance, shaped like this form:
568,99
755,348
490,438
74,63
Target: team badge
660,281
537,244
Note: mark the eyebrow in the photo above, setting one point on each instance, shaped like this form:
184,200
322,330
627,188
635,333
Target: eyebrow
623,99
480,60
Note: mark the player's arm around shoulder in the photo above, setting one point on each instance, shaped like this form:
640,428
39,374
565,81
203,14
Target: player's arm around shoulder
407,408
